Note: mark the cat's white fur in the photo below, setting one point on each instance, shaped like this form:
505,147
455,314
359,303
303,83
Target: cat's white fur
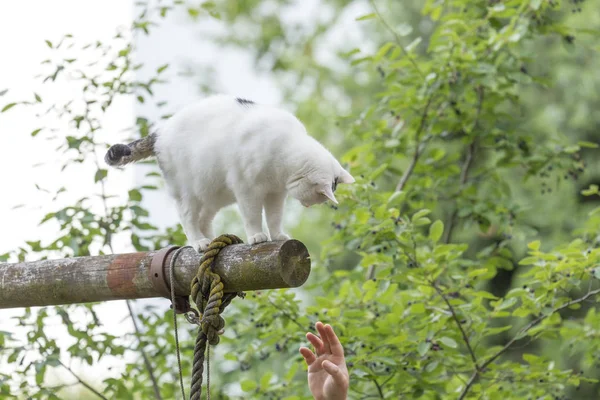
219,151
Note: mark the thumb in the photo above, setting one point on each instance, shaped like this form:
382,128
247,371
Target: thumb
334,371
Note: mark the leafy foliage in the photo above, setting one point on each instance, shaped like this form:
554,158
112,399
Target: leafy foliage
449,268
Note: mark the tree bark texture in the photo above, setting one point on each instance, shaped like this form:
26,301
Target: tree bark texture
269,265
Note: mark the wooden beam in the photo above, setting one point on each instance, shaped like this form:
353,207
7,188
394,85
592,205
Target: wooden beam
269,265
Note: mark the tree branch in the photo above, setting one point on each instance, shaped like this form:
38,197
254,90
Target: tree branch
393,32
464,171
535,322
379,389
464,176
290,317
417,153
82,382
460,327
469,384
411,167
519,335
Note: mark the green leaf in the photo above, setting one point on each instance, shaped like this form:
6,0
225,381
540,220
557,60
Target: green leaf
35,132
436,230
417,308
292,371
264,381
535,4
248,385
448,342
396,198
432,366
383,50
423,348
593,189
507,303
388,296
485,295
589,145
535,245
368,16
422,221
529,261
360,60
8,107
135,195
100,174
495,331
375,174
572,149
531,359
419,214
37,98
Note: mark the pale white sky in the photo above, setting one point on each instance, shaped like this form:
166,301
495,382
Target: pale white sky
23,27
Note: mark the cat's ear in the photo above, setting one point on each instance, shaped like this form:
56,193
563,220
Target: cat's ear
345,177
328,192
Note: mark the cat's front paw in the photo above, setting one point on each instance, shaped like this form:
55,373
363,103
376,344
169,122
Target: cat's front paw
201,245
258,238
279,236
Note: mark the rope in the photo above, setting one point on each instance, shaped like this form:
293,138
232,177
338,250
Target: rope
208,373
172,284
207,293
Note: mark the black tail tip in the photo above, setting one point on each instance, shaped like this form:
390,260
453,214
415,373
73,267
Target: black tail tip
116,153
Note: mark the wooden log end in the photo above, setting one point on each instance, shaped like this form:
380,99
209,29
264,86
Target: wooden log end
295,263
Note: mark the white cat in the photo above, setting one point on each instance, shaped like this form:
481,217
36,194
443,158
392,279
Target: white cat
223,150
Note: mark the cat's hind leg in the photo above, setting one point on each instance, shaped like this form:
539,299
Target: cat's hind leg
205,231
190,218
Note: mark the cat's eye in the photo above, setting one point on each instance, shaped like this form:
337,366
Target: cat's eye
334,185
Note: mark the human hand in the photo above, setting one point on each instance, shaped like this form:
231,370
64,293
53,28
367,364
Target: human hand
328,377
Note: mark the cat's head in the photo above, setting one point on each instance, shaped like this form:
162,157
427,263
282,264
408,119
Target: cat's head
316,183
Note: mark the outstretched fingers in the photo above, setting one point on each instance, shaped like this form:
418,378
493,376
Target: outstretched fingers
308,355
324,337
316,342
334,343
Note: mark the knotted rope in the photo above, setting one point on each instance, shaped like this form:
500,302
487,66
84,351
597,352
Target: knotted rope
207,293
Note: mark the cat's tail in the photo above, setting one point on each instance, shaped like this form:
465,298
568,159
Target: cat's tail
122,154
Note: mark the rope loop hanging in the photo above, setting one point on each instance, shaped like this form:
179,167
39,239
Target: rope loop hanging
208,295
